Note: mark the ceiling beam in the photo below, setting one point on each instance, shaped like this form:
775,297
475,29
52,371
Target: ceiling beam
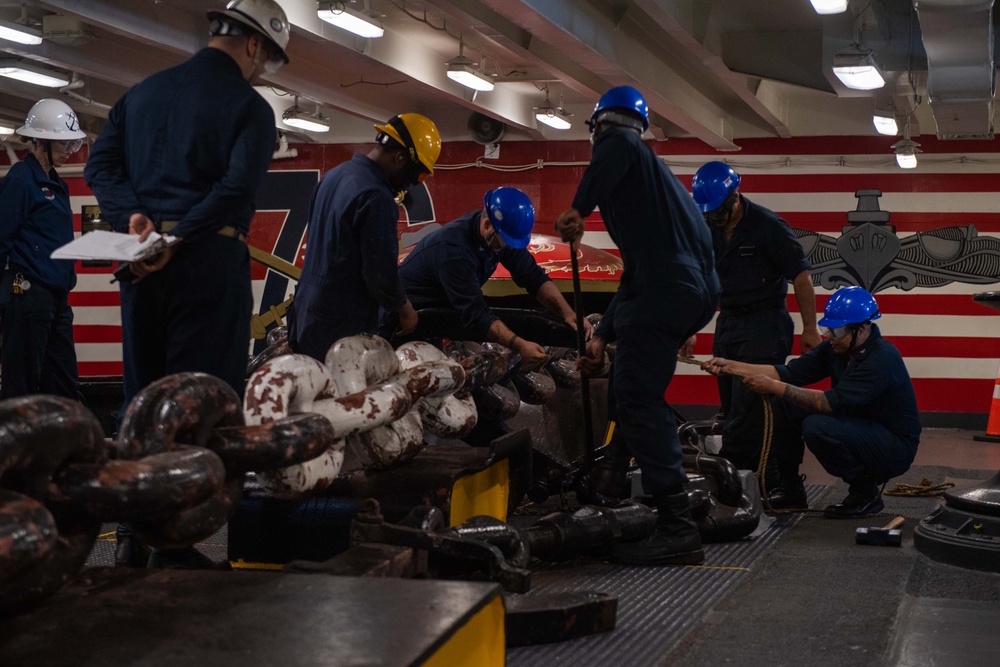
604,40
184,34
675,19
507,34
154,24
423,66
127,65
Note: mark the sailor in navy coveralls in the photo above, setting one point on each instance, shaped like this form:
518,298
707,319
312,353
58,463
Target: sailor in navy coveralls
35,219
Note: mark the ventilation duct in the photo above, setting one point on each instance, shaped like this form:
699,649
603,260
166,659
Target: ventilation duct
958,39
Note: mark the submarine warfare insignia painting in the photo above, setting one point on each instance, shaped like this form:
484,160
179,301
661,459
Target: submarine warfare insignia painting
870,255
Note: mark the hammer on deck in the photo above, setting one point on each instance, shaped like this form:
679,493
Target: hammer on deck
888,535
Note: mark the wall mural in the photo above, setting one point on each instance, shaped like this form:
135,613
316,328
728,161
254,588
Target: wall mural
869,254
290,192
928,251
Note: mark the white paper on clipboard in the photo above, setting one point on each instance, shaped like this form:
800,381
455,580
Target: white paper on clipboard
103,245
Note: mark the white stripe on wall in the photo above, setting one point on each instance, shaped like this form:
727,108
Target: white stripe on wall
98,351
918,367
823,165
97,315
895,202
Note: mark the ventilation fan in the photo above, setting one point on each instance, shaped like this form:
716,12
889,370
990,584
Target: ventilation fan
485,130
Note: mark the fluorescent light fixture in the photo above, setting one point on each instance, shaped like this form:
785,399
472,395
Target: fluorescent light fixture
14,32
885,122
464,71
351,20
906,160
906,153
829,6
22,71
6,130
553,117
857,69
303,121
306,123
295,117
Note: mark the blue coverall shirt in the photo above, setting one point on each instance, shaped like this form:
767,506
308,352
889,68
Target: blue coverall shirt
175,153
628,182
351,264
449,267
760,258
35,219
874,386
191,145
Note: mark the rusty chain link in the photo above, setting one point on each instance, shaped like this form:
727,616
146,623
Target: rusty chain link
176,470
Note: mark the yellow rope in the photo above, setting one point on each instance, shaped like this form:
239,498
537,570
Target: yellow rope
765,445
765,452
926,488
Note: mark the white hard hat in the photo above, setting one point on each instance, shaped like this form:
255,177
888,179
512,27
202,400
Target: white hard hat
52,119
265,16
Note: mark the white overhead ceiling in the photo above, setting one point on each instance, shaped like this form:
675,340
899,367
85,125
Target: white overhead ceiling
718,70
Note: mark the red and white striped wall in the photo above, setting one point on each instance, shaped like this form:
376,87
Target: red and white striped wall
951,344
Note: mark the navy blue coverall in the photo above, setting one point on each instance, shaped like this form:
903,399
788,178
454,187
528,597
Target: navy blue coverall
351,264
754,326
35,219
189,145
668,291
449,267
874,430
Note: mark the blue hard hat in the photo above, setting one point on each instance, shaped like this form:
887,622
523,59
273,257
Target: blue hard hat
849,305
511,214
711,185
622,98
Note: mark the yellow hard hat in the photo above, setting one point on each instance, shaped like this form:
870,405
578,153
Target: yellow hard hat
418,135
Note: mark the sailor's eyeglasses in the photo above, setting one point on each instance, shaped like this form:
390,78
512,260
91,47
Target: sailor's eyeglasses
837,332
69,146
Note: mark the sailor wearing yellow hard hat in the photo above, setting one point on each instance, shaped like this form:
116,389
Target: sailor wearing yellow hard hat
350,268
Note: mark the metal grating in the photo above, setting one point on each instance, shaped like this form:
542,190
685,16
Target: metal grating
103,553
656,606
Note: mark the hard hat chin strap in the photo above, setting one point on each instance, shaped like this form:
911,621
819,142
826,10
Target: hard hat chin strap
854,335
617,118
728,205
397,124
48,151
854,341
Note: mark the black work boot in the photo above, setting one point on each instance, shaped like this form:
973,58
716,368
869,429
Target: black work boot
790,494
608,484
864,497
129,551
185,558
772,473
674,541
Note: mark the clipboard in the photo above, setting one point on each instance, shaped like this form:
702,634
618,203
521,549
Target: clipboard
113,246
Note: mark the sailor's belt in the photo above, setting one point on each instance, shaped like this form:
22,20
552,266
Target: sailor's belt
230,231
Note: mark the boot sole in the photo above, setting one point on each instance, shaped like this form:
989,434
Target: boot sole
685,558
786,508
835,514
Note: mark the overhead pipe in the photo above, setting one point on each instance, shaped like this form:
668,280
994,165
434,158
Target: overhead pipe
958,39
283,151
85,100
75,83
